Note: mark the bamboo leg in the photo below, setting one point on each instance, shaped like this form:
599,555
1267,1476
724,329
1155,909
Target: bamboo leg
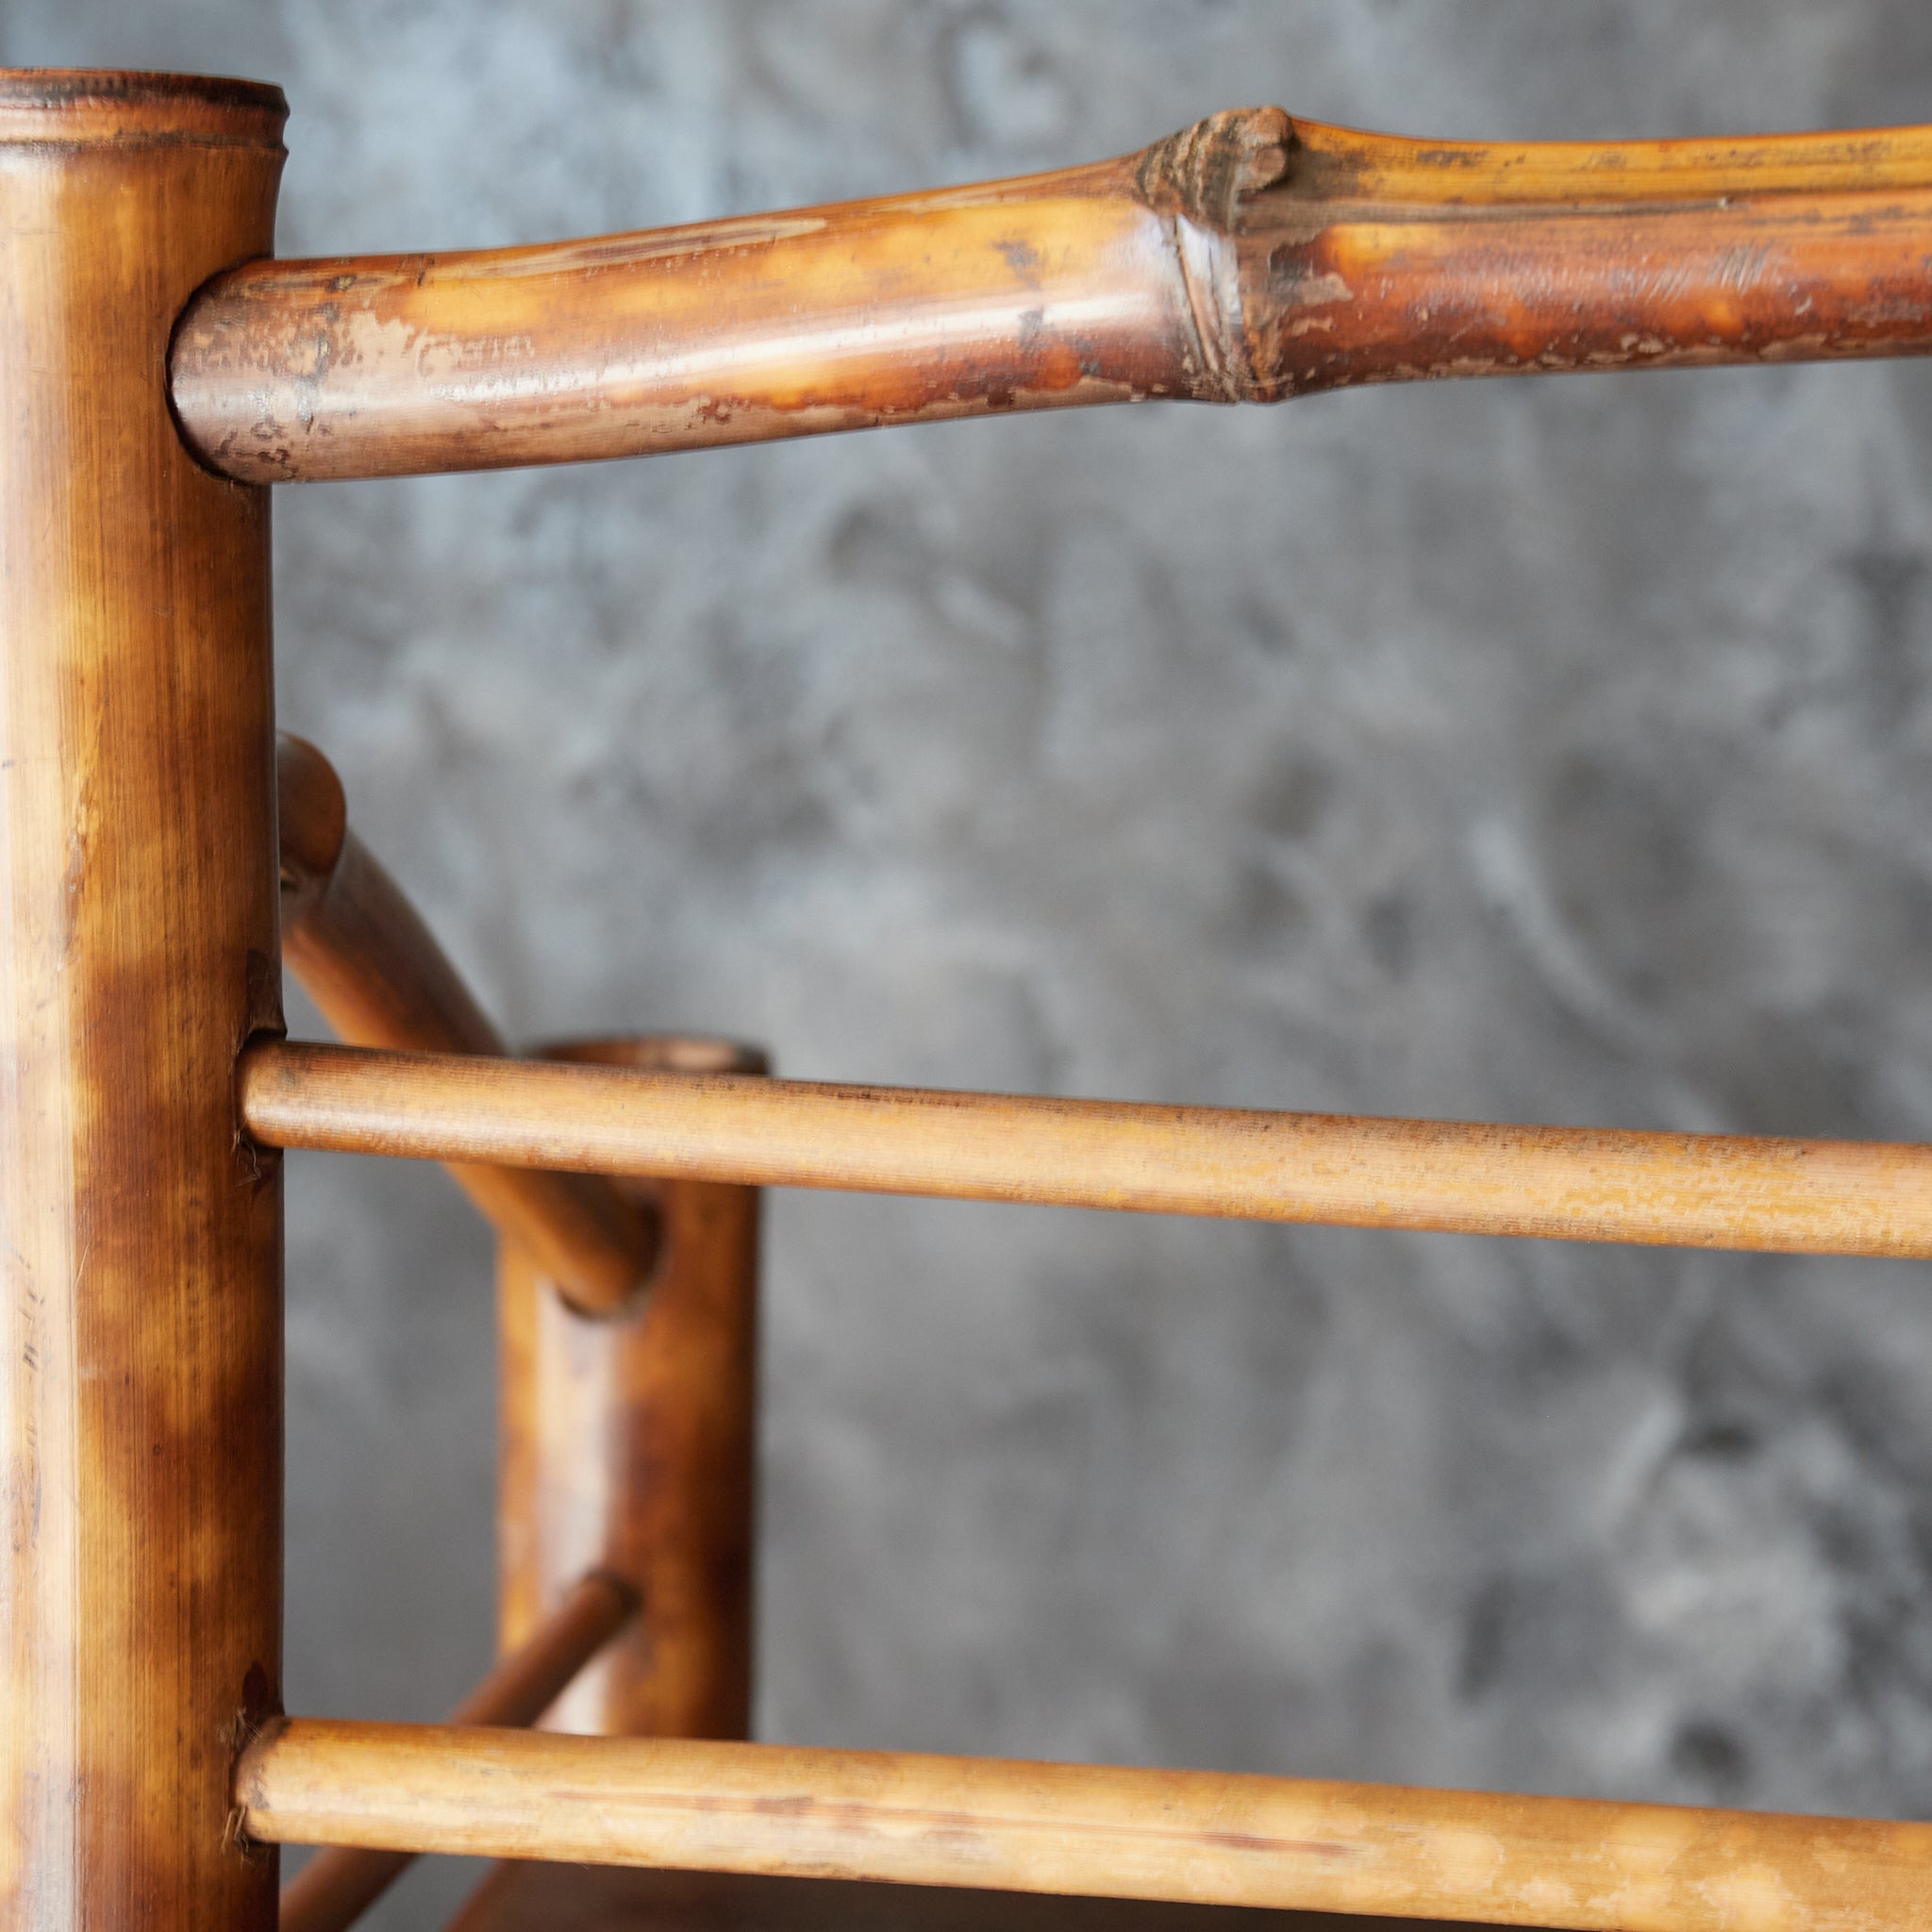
629,1443
141,1395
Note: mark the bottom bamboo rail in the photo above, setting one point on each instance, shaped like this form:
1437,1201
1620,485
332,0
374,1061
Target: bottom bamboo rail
1189,1837
1825,1197
336,1888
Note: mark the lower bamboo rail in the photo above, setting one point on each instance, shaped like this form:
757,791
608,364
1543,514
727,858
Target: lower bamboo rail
1837,1197
337,1886
1204,1838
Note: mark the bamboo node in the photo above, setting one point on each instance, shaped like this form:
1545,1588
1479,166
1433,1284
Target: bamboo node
1200,180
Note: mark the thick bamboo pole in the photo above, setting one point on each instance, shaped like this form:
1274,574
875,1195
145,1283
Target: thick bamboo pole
141,1327
364,955
632,1442
1245,259
1706,1191
1205,1837
338,1885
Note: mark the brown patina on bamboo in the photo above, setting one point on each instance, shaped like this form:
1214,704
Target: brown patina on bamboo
1248,259
140,1235
338,1885
1205,1837
1705,1190
364,955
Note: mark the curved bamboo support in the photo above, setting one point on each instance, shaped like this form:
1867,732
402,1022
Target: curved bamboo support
364,955
338,1885
1705,1191
1247,259
1190,1837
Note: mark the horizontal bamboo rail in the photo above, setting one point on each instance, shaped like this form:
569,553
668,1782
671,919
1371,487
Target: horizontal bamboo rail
1831,1197
338,1885
365,958
1187,1837
1245,259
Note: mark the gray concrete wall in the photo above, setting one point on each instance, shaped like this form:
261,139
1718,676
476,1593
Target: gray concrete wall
1536,751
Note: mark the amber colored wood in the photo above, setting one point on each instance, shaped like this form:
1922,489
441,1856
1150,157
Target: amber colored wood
338,1885
140,1330
593,1898
1190,1837
365,958
632,1442
1705,1191
1247,259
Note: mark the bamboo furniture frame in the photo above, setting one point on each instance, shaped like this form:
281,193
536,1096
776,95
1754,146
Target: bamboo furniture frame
159,369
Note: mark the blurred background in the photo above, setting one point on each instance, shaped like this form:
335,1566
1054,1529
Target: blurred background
1522,751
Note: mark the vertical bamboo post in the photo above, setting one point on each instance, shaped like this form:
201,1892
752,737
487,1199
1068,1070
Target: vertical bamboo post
629,1442
140,1395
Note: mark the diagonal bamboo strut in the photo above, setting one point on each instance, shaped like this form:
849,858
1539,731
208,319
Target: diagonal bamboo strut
366,959
1247,259
338,1885
1204,1838
1838,1197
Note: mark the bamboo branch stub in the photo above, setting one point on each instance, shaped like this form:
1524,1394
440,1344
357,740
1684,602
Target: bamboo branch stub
339,1885
364,955
1824,1197
1248,259
1204,1838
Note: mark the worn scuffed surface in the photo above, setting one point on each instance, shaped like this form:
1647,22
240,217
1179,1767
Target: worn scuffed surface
1554,750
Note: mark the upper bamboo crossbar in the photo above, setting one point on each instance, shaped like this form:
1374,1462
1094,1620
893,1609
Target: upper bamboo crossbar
1250,257
1831,1197
1190,1836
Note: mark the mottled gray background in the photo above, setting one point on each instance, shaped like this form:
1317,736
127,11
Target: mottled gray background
1527,750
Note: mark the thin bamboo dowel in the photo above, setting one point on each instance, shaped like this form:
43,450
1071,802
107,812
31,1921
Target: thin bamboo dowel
1828,1198
364,955
1245,259
1205,1838
338,1885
